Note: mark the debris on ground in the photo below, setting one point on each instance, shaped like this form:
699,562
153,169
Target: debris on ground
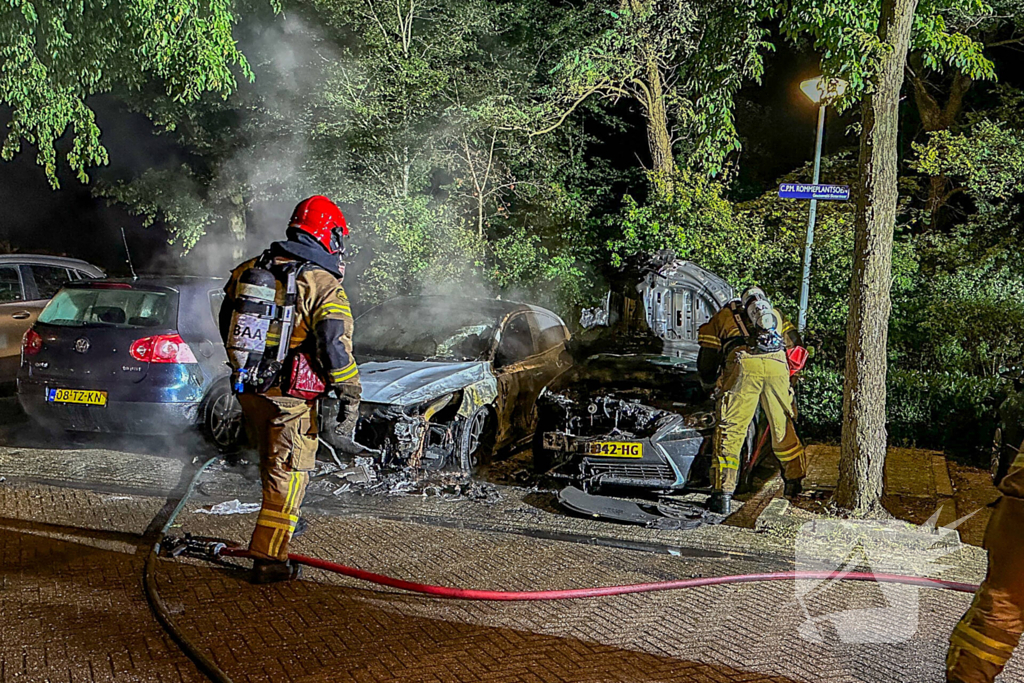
230,507
665,514
107,499
364,476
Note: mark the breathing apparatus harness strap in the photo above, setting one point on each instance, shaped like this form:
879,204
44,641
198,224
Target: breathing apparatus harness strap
283,313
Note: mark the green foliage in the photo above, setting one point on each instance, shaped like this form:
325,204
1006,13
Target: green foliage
846,35
945,411
57,54
679,59
418,246
987,161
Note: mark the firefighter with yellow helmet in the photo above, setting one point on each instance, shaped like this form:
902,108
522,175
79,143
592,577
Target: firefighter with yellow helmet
750,339
287,326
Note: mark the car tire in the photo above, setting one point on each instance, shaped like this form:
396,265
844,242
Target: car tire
475,440
223,422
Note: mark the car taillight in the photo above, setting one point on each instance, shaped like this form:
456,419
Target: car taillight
31,342
163,348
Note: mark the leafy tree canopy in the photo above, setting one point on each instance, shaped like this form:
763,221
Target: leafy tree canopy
55,55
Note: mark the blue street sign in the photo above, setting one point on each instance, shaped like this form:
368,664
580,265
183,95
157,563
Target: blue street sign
840,193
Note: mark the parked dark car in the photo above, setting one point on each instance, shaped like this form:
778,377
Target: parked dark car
27,282
136,356
449,381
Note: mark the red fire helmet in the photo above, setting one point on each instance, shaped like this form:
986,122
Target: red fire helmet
322,219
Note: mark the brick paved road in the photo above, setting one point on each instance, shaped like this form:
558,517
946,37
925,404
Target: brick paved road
72,608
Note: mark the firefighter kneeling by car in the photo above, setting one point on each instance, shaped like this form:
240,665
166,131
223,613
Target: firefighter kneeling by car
287,326
751,339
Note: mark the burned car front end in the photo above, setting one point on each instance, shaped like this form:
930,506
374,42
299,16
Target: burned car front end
414,413
633,413
602,437
447,381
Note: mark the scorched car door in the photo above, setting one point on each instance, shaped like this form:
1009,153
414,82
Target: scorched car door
515,348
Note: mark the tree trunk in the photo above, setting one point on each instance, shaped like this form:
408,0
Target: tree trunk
237,226
659,138
862,463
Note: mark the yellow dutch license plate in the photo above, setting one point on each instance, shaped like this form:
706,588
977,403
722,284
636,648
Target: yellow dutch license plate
82,396
616,449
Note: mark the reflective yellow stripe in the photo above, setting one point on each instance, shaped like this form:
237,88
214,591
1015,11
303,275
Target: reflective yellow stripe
786,451
727,463
289,503
328,309
983,639
347,372
284,516
978,652
788,327
275,525
709,341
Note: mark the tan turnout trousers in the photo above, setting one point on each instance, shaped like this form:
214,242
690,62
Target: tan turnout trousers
747,381
284,429
984,640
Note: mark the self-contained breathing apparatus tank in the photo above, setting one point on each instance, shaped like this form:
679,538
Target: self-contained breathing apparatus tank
261,330
765,337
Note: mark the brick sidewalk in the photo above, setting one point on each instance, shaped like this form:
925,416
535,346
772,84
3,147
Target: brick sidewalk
73,609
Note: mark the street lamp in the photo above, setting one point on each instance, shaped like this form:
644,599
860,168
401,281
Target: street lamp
821,92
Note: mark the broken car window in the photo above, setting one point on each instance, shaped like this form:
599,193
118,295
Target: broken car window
550,332
516,341
400,329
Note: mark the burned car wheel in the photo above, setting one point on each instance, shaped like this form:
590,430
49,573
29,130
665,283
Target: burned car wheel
223,422
475,440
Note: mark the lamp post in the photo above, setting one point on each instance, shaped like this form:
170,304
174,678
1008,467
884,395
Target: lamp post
821,92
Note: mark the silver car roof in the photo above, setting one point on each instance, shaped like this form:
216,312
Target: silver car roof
46,260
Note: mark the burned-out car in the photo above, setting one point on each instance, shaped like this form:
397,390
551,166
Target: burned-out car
449,381
632,411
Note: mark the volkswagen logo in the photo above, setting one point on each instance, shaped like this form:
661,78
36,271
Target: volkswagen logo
82,345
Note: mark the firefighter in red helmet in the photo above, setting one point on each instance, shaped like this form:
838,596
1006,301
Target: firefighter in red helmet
287,326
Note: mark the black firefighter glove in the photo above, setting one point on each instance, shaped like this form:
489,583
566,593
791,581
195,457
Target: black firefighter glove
348,410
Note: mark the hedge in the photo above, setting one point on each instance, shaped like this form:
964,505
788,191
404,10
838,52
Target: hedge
949,412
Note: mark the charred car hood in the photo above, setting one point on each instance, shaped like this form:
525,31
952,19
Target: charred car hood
407,382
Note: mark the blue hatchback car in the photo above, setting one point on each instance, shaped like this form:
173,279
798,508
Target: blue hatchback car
140,356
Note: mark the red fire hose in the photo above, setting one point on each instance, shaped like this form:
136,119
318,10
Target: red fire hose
569,594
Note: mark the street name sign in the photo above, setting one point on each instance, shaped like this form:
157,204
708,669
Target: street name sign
840,193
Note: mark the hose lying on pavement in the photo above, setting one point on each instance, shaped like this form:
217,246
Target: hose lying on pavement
470,594
156,603
216,674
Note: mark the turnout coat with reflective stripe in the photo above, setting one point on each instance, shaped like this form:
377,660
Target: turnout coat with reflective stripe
323,321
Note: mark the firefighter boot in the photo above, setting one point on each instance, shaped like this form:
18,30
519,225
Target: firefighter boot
794,487
272,571
720,503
